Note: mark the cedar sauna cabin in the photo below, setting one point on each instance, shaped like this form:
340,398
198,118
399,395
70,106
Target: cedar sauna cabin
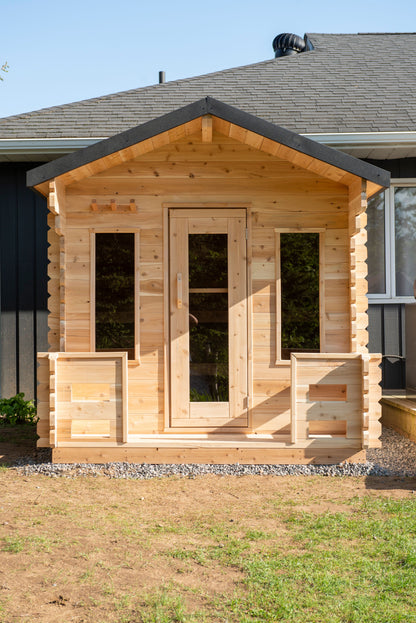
207,285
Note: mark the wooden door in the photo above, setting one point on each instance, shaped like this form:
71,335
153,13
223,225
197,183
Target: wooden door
208,321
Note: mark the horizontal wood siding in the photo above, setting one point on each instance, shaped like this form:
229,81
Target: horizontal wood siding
190,172
145,397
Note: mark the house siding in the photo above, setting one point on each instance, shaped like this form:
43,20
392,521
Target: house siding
193,173
387,322
23,281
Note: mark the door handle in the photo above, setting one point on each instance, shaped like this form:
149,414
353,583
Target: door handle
179,290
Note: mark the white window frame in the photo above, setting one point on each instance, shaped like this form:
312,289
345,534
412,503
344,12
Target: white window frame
390,246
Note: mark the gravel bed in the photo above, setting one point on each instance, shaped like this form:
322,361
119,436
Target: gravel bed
397,457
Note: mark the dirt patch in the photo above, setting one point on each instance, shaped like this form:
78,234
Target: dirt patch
91,549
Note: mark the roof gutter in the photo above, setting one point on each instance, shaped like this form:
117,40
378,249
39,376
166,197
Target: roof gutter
365,139
52,146
60,146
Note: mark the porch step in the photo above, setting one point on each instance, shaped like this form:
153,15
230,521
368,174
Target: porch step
175,449
399,413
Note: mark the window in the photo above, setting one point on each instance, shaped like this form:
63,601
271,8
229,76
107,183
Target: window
391,230
299,297
114,296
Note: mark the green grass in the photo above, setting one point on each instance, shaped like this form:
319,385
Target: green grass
163,606
33,543
274,552
344,568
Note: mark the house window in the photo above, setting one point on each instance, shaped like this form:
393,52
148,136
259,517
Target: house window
391,231
376,235
299,295
114,297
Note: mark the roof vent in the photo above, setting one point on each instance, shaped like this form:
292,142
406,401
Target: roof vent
287,44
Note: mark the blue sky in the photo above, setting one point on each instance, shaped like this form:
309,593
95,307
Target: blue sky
60,51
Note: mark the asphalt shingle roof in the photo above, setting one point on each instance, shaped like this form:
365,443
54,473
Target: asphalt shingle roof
348,83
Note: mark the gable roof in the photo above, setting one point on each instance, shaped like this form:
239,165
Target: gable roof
347,83
209,106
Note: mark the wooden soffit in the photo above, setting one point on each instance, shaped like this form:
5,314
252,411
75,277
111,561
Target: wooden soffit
206,116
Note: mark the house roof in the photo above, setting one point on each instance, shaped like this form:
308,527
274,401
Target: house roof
209,106
347,83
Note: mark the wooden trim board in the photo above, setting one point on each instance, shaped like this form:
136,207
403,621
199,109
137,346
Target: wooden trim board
158,455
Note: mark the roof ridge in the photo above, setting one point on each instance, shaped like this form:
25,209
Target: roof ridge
355,34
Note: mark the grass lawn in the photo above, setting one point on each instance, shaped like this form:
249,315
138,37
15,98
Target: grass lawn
296,549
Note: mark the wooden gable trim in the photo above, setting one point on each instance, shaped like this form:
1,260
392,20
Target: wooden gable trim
176,124
124,155
301,160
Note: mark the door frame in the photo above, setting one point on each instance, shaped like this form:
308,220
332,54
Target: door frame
166,294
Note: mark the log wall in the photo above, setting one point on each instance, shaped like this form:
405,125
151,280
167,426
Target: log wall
222,173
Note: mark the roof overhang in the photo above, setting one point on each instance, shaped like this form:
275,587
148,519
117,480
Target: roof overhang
42,149
255,131
374,145
53,146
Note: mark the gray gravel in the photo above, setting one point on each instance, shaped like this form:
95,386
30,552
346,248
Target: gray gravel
397,457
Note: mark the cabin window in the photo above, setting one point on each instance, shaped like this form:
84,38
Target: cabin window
391,232
114,300
299,297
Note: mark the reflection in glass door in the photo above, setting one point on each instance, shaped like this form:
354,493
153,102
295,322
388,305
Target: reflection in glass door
208,318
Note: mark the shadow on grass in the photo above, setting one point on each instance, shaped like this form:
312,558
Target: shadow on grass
18,444
386,483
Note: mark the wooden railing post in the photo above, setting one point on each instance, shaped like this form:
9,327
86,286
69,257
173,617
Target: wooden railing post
293,423
366,400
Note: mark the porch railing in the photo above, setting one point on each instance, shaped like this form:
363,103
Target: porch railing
82,397
334,396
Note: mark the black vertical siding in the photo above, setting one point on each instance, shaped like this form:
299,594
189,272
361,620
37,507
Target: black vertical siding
386,322
23,280
386,335
403,167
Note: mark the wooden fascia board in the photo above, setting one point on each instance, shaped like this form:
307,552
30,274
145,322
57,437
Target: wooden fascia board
134,151
274,148
42,189
156,128
151,130
373,189
301,144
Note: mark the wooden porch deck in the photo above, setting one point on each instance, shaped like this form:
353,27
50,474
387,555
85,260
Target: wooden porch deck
334,415
399,413
181,449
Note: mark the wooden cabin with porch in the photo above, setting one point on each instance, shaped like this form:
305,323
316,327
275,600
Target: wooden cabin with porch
207,284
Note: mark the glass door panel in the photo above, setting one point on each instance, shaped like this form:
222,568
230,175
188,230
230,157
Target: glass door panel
208,337
208,317
208,320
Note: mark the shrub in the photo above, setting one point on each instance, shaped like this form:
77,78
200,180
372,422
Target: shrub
17,410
